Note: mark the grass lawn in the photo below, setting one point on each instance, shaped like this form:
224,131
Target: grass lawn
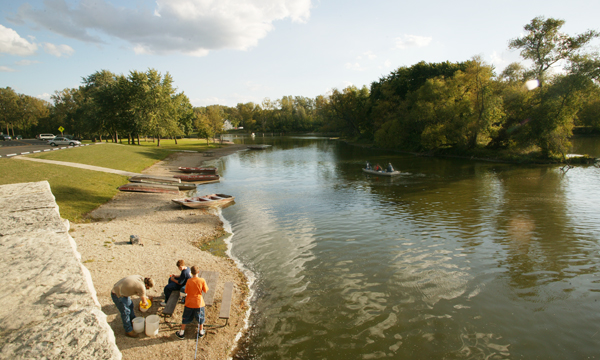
77,191
80,191
113,156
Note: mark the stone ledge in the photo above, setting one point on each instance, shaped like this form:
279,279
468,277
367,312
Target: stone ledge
49,305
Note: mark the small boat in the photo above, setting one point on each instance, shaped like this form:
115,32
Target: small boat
198,170
180,185
382,172
150,178
197,177
150,188
258,147
205,201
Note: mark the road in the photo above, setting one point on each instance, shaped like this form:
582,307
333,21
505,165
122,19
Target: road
25,146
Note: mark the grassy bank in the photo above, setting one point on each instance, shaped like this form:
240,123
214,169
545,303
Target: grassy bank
80,191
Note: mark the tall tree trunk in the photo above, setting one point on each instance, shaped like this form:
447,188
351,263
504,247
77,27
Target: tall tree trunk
158,140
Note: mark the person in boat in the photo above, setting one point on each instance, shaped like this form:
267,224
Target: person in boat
121,294
390,168
177,282
378,168
368,167
194,304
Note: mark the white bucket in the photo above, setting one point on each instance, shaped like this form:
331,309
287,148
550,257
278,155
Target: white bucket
152,323
138,324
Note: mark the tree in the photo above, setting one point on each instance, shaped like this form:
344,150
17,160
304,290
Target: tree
152,103
553,106
349,109
546,46
9,108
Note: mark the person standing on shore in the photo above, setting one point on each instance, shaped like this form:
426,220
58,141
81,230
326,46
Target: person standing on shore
121,295
176,282
194,304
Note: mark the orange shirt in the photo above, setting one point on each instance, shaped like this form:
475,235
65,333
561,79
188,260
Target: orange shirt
194,289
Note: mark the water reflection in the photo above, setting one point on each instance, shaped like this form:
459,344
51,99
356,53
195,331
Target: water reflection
456,259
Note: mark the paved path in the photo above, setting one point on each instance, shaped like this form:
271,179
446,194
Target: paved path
77,165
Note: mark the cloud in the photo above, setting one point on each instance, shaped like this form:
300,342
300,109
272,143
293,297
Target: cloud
192,27
369,55
13,44
408,41
27,62
354,66
45,96
6,69
58,50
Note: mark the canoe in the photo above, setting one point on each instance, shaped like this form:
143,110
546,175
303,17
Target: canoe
150,188
198,170
181,186
205,201
197,177
382,173
258,147
163,179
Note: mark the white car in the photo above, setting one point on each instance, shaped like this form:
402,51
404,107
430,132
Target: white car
45,136
63,141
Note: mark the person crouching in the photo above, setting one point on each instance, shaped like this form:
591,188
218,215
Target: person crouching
194,303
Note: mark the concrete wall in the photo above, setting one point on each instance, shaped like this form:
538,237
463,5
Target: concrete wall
48,305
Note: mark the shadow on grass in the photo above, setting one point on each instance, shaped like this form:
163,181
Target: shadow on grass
75,202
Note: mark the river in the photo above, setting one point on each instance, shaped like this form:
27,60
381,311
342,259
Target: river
453,259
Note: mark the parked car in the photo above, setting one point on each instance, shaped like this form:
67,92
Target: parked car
5,137
63,141
45,136
18,137
72,137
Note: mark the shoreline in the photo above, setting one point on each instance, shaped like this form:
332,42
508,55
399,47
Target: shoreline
168,233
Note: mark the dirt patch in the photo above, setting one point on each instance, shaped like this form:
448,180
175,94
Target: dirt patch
168,234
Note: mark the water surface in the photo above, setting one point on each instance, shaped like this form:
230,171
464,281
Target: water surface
452,260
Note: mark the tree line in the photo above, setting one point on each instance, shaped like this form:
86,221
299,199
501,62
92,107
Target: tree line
423,107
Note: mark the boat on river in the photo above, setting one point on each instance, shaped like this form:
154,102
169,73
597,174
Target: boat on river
382,172
378,170
198,170
205,201
197,177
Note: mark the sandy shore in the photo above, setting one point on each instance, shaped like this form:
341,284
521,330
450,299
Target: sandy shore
168,234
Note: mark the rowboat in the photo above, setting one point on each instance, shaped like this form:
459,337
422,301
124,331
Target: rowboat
181,186
150,188
382,172
258,147
205,201
197,177
150,178
198,170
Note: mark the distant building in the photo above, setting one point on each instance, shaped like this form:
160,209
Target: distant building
227,125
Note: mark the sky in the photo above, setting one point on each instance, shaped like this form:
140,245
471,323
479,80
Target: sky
237,51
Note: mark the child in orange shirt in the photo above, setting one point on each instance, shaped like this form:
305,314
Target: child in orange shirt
194,303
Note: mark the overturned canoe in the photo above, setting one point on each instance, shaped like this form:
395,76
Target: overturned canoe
197,177
205,201
148,178
150,188
180,185
198,170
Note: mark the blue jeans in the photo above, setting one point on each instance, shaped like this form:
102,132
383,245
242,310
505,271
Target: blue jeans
171,286
125,306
